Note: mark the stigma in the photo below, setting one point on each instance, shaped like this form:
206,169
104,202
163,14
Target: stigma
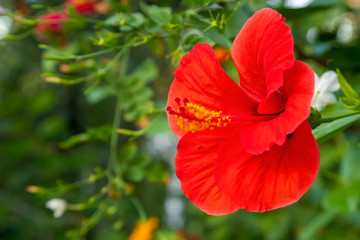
193,117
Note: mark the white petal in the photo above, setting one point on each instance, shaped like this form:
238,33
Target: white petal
328,98
316,82
57,205
329,82
316,103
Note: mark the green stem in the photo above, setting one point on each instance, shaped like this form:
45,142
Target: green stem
114,139
330,119
117,116
77,206
233,12
139,208
77,58
20,36
74,57
127,132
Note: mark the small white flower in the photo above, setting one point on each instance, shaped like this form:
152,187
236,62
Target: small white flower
325,86
5,25
57,205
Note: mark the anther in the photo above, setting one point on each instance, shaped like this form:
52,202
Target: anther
193,117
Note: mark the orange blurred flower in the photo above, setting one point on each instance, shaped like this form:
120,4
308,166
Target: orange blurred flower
221,54
144,229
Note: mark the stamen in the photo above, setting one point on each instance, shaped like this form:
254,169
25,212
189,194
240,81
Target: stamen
193,117
178,100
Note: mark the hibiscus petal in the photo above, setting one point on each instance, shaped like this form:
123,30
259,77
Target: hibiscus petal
201,79
195,160
270,180
298,89
262,50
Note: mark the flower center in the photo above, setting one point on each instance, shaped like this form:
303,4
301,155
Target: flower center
193,117
274,104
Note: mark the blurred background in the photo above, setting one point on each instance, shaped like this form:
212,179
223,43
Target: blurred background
67,84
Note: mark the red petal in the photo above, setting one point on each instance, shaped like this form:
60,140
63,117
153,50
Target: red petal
261,51
84,6
52,21
195,160
298,89
274,104
273,179
201,79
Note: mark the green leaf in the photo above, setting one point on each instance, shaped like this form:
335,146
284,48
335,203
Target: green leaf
148,71
237,20
100,93
160,15
74,140
42,102
155,173
219,38
126,21
134,94
352,98
327,130
324,3
342,199
350,165
196,2
101,133
135,174
316,224
128,152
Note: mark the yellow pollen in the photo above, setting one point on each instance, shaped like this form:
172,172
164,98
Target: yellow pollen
193,117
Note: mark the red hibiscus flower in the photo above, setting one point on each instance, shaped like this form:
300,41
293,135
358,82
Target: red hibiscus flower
245,146
82,6
51,22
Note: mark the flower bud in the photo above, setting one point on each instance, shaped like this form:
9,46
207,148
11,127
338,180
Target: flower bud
315,118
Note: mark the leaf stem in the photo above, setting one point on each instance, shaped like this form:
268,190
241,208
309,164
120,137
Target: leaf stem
330,119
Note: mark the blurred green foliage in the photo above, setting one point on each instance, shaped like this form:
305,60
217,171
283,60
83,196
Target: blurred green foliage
98,136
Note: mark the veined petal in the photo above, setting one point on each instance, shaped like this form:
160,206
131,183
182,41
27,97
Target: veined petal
195,161
298,89
270,180
262,50
201,80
